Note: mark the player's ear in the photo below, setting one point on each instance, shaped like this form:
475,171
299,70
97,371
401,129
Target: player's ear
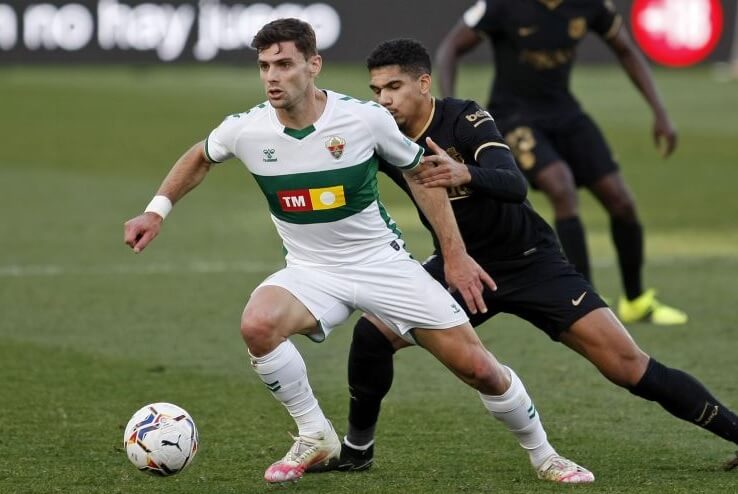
315,63
425,81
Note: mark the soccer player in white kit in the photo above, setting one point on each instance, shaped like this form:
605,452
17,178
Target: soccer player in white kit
314,155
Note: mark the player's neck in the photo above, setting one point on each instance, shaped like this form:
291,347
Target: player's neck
306,112
417,126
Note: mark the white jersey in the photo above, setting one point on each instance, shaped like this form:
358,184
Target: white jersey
320,182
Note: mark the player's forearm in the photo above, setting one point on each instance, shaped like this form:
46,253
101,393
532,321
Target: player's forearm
640,74
189,170
435,205
447,61
498,176
459,41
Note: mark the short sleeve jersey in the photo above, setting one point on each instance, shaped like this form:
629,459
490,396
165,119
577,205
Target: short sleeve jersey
320,182
534,46
492,230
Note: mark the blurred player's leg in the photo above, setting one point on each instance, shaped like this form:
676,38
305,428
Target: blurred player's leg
626,230
557,182
627,235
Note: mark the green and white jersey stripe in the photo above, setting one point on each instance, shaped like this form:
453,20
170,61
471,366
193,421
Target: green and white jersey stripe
320,182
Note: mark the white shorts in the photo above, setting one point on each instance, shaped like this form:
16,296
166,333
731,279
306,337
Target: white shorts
399,292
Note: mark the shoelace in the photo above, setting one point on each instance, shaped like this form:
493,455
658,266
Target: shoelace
294,453
563,466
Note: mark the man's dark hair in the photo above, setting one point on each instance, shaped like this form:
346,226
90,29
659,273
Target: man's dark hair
291,29
409,54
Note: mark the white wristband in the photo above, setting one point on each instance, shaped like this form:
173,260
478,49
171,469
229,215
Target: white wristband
160,205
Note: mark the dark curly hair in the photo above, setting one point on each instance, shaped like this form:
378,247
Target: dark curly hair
409,54
290,29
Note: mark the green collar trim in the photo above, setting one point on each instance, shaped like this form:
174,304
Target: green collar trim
299,133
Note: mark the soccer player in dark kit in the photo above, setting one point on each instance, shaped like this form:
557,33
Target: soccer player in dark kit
466,154
556,145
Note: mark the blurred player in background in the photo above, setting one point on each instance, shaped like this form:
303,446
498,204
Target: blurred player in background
314,155
511,242
556,145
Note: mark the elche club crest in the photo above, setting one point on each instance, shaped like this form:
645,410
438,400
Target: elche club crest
335,145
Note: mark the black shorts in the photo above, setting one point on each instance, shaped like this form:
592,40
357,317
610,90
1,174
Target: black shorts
574,139
542,288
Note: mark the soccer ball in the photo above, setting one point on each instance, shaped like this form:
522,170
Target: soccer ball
161,439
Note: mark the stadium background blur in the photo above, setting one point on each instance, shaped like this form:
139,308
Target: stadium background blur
89,332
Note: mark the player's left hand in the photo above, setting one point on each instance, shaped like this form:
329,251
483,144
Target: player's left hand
465,275
664,135
443,171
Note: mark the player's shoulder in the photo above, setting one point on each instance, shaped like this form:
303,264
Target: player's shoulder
362,114
464,111
254,113
482,12
454,106
250,117
359,107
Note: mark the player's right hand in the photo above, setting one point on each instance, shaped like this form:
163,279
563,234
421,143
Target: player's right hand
464,274
664,135
139,231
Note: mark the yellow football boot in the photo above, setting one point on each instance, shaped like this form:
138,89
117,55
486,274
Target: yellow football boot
646,308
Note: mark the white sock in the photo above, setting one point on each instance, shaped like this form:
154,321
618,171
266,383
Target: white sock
284,373
516,410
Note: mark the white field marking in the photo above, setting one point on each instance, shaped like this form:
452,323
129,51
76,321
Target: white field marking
215,267
186,267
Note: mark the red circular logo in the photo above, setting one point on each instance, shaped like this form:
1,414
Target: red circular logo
677,32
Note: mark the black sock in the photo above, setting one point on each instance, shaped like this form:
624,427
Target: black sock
628,239
685,397
370,372
571,236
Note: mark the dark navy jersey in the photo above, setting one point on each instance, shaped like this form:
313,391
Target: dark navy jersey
495,219
534,45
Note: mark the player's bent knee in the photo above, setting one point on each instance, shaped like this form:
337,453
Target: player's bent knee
623,369
623,209
259,332
629,369
563,197
485,374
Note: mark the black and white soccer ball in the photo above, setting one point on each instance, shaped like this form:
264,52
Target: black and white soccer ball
161,439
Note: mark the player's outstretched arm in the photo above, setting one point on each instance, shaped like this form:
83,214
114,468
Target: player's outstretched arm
189,170
664,133
497,174
460,40
444,171
461,271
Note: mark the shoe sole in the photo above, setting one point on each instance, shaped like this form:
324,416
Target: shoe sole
335,465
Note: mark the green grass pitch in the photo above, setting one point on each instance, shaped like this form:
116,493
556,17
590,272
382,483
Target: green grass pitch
89,332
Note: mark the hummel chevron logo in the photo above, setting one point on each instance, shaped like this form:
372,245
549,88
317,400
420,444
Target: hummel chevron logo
576,301
273,387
